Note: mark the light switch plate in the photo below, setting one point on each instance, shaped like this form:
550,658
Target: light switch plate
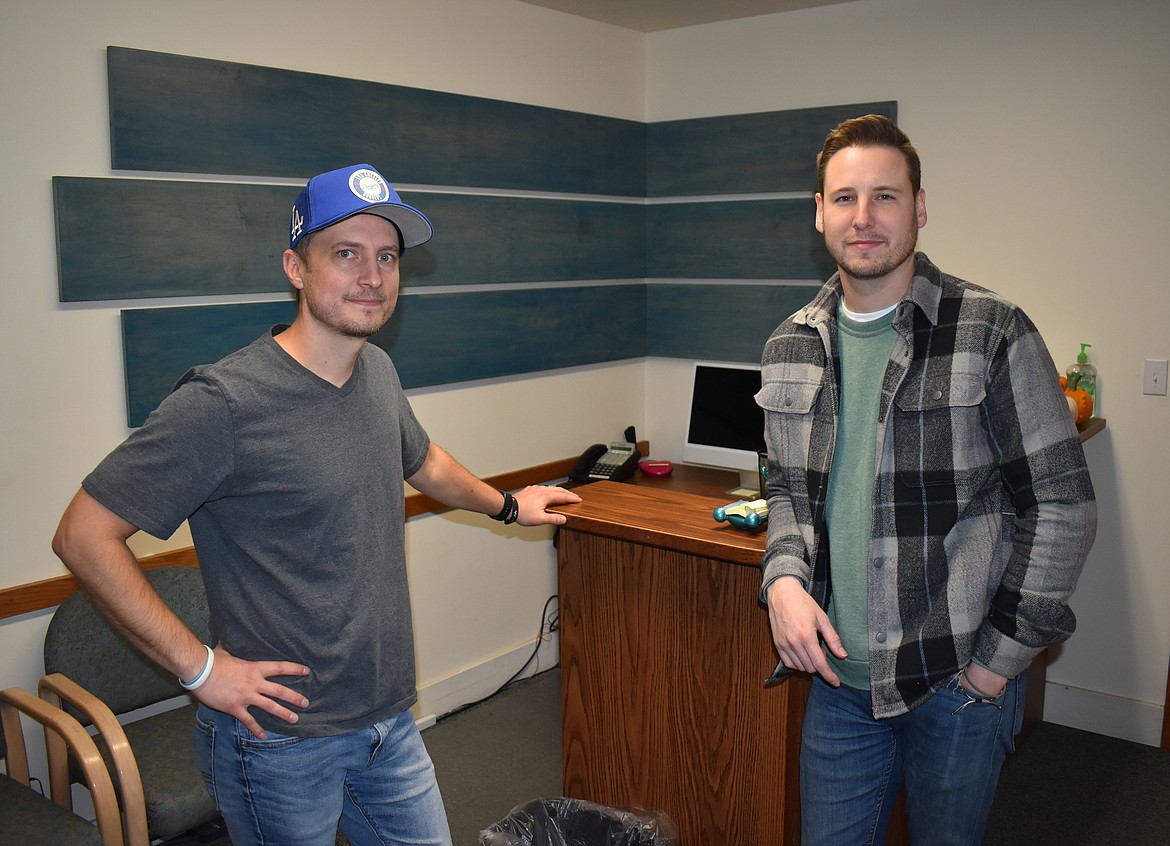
1154,382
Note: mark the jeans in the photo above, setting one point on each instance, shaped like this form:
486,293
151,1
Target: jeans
377,784
948,752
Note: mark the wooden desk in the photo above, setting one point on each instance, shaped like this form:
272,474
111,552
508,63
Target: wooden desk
664,651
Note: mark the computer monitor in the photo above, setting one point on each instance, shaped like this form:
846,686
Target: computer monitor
725,427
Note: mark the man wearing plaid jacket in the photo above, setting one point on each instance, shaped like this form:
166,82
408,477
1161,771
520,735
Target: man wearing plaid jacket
929,512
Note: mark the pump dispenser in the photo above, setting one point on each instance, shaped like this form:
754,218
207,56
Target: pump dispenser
1082,374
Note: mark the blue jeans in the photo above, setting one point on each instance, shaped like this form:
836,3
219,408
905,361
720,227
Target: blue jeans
377,784
948,752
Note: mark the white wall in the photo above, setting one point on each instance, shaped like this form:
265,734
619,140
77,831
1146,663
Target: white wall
1043,128
478,588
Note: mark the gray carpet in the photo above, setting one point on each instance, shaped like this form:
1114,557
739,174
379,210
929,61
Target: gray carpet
498,754
1071,786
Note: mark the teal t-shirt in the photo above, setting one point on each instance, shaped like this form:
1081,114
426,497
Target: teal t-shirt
865,351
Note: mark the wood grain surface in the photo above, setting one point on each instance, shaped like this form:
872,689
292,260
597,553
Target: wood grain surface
664,652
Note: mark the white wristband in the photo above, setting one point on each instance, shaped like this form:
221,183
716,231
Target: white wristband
204,674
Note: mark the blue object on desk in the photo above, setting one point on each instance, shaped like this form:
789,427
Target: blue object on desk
743,514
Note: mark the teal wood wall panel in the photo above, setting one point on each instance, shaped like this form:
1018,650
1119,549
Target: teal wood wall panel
752,239
438,339
133,238
766,152
434,339
482,239
138,238
188,115
718,322
161,344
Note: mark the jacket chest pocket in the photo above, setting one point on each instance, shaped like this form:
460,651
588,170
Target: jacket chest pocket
789,397
939,435
789,408
957,390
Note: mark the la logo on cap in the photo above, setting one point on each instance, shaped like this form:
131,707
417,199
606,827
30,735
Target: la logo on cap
298,223
369,185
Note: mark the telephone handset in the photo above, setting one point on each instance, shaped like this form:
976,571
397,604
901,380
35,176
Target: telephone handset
615,461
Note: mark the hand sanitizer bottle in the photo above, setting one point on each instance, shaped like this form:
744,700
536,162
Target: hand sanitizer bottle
1082,374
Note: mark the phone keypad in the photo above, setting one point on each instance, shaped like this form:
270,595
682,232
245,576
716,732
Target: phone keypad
608,463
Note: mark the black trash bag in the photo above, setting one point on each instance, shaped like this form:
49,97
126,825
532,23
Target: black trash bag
575,822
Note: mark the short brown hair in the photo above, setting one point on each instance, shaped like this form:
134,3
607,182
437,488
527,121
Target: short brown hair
868,131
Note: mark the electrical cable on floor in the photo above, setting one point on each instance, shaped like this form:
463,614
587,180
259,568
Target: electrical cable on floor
552,627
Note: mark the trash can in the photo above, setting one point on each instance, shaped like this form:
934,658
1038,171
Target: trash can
576,822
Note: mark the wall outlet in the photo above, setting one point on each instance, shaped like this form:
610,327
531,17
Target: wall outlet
1154,382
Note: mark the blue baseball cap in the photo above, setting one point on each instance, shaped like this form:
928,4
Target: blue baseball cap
357,189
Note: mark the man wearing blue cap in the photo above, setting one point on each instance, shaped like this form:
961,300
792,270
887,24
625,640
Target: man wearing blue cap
287,459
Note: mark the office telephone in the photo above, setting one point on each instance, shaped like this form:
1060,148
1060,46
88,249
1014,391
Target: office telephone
615,461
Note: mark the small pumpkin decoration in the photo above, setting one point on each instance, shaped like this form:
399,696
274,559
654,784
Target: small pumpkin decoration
1080,403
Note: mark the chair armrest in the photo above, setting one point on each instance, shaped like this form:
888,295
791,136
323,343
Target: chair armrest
56,688
69,734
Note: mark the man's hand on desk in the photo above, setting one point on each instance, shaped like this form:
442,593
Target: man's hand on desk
534,501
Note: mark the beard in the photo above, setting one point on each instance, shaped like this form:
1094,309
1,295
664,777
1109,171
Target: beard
343,325
880,262
352,330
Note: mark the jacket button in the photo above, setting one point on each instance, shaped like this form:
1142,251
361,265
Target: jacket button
880,637
936,395
878,563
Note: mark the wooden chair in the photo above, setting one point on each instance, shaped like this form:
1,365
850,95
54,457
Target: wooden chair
93,673
28,817
57,690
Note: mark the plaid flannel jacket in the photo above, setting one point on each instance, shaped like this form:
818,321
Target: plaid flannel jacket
983,511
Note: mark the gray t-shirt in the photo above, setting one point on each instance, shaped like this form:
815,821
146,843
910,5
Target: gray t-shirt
294,491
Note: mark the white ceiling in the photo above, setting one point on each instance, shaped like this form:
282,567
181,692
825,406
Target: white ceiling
654,15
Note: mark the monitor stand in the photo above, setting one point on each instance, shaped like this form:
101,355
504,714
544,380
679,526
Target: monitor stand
749,485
